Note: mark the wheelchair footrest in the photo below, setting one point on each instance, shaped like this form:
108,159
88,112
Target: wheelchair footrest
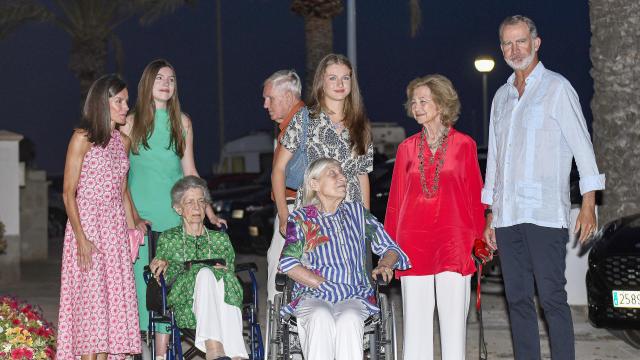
247,267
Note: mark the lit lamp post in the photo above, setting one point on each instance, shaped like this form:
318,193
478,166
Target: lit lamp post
484,64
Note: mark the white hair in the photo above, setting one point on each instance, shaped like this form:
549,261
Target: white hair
185,184
310,196
286,80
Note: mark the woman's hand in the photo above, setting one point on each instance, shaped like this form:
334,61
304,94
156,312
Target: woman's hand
213,218
141,224
217,221
158,266
283,225
385,271
85,252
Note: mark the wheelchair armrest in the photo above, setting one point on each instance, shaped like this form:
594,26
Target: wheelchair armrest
281,281
246,267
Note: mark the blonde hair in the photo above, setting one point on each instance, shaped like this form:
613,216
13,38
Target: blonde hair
310,196
443,94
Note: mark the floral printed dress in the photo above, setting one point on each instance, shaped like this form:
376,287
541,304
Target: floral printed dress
324,142
334,246
98,308
176,247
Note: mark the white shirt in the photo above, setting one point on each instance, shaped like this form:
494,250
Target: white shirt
531,143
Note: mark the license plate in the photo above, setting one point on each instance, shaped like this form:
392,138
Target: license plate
626,299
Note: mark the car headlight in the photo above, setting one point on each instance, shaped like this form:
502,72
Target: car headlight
254,208
237,214
220,206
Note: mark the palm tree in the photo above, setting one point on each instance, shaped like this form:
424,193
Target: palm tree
90,24
616,113
15,13
318,30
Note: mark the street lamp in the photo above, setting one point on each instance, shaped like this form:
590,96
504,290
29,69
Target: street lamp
484,64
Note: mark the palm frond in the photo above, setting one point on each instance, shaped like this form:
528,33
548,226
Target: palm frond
152,10
14,13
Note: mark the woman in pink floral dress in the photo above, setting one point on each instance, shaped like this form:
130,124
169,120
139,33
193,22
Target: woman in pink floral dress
98,307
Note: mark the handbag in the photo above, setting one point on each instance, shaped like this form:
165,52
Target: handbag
136,238
294,172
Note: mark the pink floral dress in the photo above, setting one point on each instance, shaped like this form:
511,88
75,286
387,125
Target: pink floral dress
98,308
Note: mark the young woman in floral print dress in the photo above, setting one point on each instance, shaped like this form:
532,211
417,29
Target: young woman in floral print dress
98,309
337,128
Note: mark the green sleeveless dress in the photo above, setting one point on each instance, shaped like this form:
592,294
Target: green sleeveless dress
152,173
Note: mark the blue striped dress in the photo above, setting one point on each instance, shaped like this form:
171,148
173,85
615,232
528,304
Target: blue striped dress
334,247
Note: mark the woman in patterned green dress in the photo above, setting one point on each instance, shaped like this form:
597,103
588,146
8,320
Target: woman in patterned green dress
207,298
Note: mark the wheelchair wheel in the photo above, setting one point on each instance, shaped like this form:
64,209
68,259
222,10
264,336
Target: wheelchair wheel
275,327
387,338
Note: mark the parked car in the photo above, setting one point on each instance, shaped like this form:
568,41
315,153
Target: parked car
613,278
249,212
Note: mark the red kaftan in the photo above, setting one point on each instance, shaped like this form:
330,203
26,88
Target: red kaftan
437,233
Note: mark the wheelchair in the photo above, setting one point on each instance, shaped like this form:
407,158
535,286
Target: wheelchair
282,341
177,336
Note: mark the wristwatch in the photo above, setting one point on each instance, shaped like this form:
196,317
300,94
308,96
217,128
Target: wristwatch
487,211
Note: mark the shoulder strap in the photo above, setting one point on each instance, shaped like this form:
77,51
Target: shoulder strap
305,124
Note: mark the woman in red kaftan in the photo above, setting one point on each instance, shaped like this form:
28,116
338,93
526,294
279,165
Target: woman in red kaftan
434,213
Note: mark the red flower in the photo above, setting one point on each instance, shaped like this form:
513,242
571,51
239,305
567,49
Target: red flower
49,351
313,236
372,299
21,353
15,321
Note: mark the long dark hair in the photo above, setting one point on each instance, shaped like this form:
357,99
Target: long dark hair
96,117
143,114
355,117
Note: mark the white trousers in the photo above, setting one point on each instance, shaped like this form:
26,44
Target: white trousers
420,294
215,319
273,256
331,331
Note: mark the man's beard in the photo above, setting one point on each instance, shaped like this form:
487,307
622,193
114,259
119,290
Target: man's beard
523,64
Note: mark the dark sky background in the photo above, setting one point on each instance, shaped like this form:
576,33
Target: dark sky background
40,95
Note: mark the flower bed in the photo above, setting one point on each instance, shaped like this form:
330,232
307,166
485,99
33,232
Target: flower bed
24,334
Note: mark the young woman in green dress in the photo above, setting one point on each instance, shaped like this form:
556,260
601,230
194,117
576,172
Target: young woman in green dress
161,154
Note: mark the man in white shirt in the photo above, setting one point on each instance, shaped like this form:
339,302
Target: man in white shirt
536,128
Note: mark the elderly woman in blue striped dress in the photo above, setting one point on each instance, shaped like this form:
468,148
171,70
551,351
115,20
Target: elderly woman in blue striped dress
324,253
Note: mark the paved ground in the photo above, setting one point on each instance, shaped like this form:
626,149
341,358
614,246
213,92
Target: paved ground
40,285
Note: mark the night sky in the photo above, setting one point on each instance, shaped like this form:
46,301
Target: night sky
40,95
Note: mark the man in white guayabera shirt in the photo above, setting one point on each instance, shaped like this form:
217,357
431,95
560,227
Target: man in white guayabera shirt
536,128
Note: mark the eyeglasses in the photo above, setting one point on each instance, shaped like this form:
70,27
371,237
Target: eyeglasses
192,204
